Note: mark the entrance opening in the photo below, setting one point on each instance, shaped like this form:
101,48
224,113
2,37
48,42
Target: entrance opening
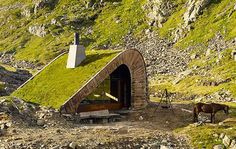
114,93
121,85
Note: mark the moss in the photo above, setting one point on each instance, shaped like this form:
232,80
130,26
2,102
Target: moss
55,84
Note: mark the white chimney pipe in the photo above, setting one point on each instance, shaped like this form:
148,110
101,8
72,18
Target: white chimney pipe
76,53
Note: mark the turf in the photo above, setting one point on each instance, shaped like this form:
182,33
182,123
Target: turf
55,84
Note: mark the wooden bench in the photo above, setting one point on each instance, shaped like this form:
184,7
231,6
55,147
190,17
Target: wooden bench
103,115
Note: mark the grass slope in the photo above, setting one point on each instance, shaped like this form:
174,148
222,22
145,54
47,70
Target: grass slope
98,26
55,84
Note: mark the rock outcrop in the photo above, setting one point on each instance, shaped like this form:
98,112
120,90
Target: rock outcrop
12,80
40,4
194,9
38,30
158,11
9,59
26,12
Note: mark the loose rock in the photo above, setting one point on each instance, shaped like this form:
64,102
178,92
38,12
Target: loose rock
220,146
226,141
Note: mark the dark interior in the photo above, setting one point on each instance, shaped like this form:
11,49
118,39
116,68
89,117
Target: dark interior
120,88
121,85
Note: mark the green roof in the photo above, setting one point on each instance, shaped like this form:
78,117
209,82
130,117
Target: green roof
56,84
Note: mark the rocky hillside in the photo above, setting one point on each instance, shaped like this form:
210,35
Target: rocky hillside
187,44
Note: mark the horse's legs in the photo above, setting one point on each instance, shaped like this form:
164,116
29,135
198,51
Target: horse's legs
213,117
195,115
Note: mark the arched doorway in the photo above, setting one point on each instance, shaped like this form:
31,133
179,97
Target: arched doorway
114,93
121,85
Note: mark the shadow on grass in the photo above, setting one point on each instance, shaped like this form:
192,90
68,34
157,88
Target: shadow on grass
94,57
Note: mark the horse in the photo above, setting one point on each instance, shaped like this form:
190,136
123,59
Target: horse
208,108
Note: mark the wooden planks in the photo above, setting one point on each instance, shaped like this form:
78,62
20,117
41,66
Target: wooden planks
96,107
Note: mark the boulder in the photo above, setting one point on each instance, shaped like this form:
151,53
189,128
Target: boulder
208,52
123,130
40,4
26,12
72,145
226,141
222,135
194,9
215,135
2,132
40,122
38,30
158,11
233,144
220,146
182,75
193,56
3,129
164,147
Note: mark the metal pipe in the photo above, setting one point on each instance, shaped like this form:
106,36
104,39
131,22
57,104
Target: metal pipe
76,38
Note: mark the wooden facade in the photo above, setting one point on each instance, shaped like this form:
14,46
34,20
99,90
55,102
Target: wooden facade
139,86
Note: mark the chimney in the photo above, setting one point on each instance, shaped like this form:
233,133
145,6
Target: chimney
76,53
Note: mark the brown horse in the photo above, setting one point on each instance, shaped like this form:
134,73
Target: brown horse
208,108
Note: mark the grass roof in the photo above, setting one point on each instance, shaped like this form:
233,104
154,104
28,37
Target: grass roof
55,84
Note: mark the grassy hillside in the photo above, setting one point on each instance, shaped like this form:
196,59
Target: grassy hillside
55,84
193,84
218,18
99,26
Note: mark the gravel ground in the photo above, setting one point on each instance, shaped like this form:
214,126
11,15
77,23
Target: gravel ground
38,127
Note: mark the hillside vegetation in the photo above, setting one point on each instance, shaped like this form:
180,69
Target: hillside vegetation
210,39
53,22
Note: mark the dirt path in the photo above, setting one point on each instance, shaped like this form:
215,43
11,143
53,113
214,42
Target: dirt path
139,129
